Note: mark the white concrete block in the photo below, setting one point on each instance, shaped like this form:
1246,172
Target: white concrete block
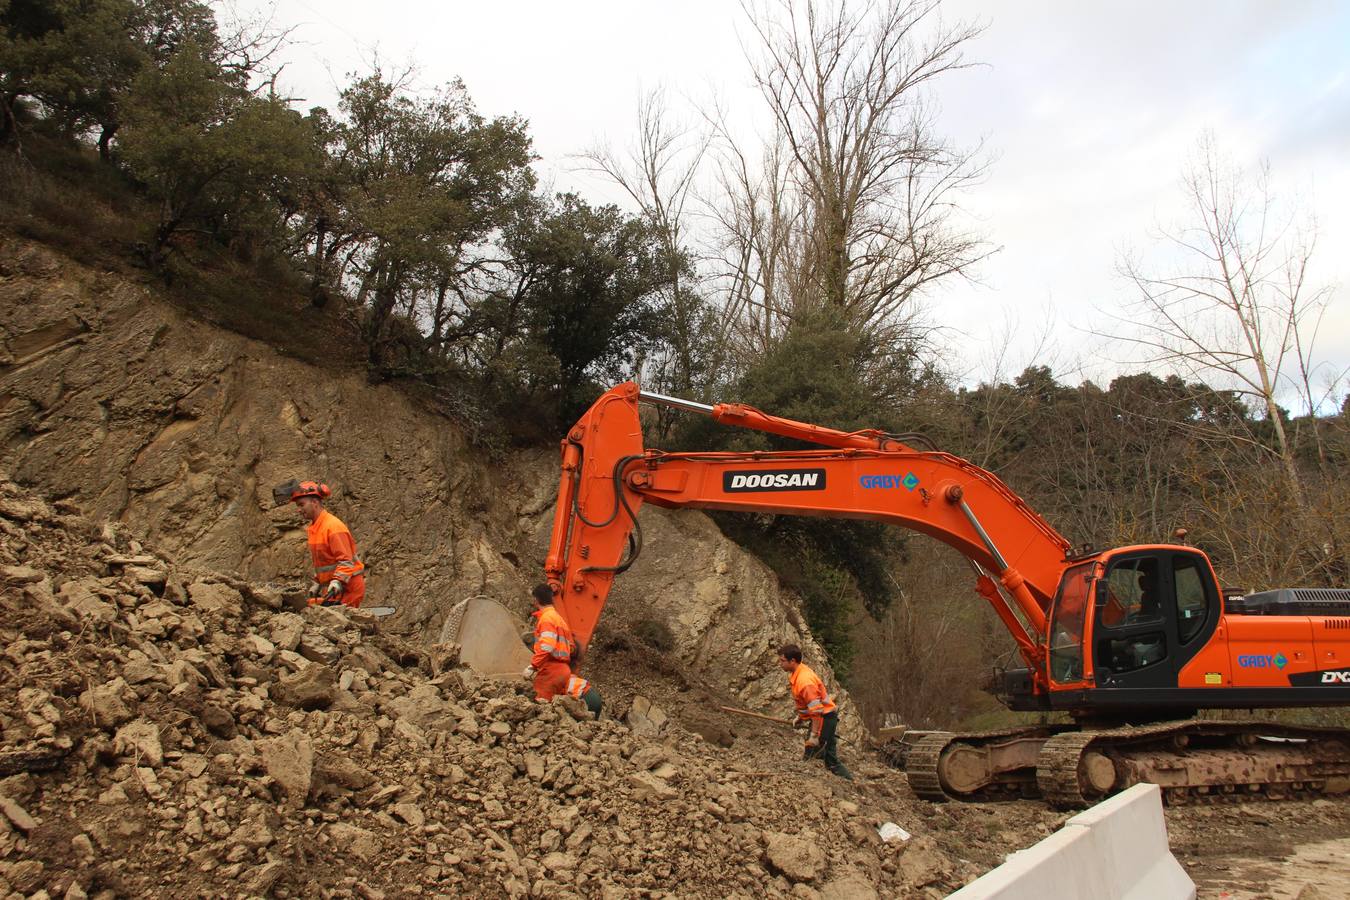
1117,850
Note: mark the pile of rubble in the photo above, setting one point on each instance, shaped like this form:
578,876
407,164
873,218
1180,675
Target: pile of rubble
178,733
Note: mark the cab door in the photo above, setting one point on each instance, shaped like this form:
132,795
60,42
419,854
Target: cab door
1153,612
1132,634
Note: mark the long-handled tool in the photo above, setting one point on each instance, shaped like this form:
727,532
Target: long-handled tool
754,715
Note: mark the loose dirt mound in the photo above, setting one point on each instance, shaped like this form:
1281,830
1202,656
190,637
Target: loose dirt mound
178,733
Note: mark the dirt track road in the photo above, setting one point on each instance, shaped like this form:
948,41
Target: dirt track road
1296,850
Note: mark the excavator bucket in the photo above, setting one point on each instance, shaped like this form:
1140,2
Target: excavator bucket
488,635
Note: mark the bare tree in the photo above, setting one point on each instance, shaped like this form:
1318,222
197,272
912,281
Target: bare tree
846,85
756,256
659,173
1238,308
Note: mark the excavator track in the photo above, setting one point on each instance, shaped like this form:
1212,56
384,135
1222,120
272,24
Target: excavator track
1057,769
975,767
1193,761
1196,761
921,766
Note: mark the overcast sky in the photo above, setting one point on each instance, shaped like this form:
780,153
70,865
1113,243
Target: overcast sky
1087,110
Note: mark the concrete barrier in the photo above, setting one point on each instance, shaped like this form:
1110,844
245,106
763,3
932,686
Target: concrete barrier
1117,850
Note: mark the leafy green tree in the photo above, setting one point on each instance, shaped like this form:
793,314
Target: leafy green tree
412,191
208,150
79,58
593,299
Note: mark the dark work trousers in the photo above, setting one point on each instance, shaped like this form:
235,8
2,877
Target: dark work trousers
592,700
828,749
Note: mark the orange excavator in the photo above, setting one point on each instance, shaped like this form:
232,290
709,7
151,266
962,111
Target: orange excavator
1129,642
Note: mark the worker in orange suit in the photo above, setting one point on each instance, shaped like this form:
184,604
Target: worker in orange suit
554,647
815,710
339,574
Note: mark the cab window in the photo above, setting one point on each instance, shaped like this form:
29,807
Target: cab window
1066,627
1130,594
1192,602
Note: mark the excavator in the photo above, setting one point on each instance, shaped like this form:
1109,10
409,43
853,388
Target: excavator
1127,644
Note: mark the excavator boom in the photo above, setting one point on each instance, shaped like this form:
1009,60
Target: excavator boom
607,475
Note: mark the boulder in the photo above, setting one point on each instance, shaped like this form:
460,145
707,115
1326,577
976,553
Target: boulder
338,769
849,885
648,757
795,858
140,739
287,629
289,760
317,648
219,721
649,787
645,718
79,599
359,842
105,704
215,597
313,687
17,815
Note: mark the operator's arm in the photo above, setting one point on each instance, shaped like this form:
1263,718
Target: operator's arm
342,546
810,699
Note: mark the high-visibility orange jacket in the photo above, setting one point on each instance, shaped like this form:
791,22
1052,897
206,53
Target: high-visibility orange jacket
333,550
810,696
553,650
553,639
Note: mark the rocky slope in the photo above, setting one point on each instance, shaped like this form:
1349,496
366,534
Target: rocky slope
155,420
169,731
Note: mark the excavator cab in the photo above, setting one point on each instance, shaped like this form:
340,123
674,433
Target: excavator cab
1125,624
1154,609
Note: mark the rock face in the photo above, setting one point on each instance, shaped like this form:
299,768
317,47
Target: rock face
177,430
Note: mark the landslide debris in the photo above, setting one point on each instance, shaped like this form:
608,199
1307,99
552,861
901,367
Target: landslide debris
168,732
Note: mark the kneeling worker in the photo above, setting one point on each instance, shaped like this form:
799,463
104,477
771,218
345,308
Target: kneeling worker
814,708
553,666
339,574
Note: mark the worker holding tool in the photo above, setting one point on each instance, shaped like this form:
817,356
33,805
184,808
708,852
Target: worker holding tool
554,647
339,574
815,711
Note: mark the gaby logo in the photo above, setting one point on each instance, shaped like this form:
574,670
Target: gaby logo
909,482
774,480
1262,661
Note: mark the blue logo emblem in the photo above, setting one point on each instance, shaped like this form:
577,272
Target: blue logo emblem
1262,661
909,482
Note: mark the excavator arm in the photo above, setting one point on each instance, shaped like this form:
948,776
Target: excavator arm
607,474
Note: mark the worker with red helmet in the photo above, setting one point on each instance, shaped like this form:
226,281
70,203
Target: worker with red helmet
339,574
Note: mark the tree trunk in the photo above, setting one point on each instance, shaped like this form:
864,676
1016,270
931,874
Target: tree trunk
9,125
105,137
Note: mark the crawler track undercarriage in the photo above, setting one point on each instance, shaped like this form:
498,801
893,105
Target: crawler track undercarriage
1192,761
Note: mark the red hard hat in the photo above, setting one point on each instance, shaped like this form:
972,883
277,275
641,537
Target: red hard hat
311,489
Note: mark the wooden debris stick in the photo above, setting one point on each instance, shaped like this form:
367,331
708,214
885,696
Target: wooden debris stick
754,715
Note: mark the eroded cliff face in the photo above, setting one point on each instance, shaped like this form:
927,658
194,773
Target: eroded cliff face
144,415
